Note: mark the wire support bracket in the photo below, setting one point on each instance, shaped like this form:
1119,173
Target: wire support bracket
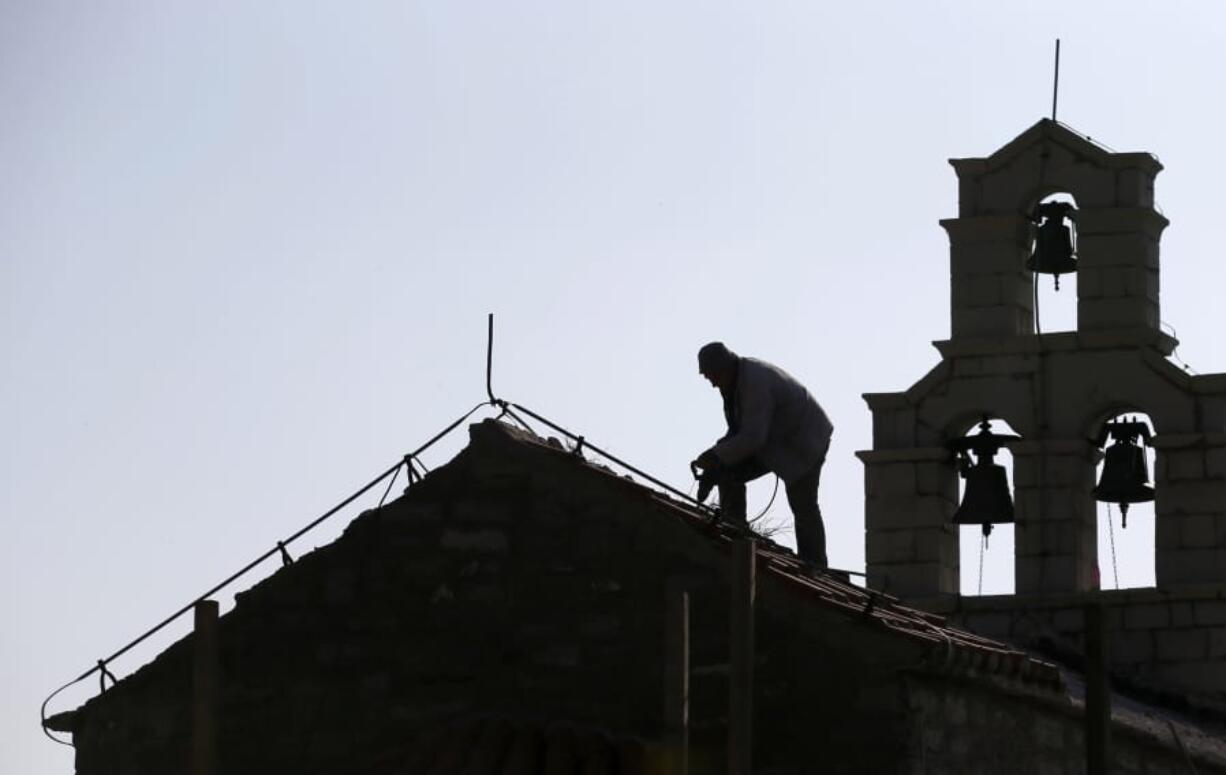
103,675
411,464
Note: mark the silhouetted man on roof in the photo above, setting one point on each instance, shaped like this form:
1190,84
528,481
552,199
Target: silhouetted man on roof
774,425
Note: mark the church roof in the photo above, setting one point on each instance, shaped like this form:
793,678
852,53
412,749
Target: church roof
946,647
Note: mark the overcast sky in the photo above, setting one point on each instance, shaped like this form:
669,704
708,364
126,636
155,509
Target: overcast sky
247,250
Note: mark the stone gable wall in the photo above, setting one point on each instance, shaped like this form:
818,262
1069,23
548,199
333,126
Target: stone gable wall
499,587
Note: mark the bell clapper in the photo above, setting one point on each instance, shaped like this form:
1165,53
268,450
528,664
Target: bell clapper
1123,515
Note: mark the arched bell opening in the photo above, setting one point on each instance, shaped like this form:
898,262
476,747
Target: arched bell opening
1124,492
1053,261
986,508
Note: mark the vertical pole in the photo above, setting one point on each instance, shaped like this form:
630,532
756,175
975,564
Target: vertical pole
740,668
489,360
205,689
677,679
1098,692
1055,87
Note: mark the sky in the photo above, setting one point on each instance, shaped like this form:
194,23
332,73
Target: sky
247,251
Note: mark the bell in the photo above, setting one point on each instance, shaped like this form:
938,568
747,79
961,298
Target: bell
1053,246
1125,478
986,500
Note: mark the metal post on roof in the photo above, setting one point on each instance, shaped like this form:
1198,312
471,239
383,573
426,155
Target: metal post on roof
1098,693
489,358
741,655
677,679
1055,85
205,689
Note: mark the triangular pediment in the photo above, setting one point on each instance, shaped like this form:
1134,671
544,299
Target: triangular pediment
1046,132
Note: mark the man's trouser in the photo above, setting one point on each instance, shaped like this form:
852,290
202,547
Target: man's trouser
802,497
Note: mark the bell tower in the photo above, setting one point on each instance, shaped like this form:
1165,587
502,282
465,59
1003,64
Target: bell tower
1118,229
1055,390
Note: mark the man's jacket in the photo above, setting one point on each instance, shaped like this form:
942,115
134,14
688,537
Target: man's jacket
776,421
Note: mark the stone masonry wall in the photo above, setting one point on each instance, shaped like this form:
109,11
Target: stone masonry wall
1173,642
1069,392
963,728
1190,508
910,499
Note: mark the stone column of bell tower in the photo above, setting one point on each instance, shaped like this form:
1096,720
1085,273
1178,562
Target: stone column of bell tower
1118,232
991,293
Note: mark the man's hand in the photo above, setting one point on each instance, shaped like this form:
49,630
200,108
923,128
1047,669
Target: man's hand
709,464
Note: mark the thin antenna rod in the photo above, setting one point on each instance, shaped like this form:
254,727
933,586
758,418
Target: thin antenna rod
489,360
1055,87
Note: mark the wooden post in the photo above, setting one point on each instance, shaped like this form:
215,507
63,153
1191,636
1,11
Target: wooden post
205,689
677,679
1098,693
740,667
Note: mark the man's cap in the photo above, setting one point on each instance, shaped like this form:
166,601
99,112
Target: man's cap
715,357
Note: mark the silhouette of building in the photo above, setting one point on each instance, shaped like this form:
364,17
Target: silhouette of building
523,610
511,608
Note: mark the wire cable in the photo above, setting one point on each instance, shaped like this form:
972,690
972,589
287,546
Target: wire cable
520,421
1111,532
43,713
242,571
983,546
769,503
632,469
1034,282
1175,352
277,549
390,482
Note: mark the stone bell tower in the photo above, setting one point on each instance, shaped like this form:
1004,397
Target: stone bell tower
1056,390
